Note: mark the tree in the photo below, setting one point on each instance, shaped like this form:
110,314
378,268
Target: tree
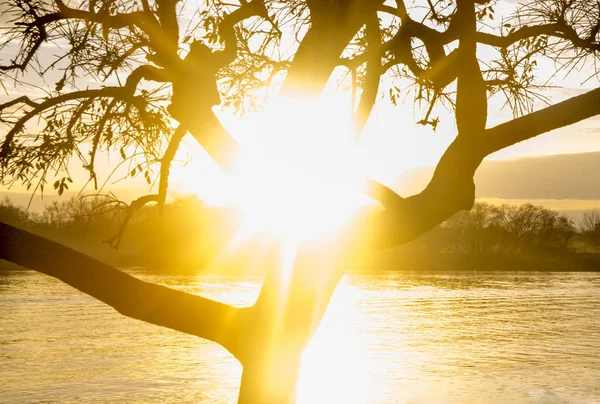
475,231
564,231
11,214
135,53
590,227
526,225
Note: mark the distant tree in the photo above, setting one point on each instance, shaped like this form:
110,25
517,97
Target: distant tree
564,231
54,215
475,231
530,226
590,227
505,229
12,214
123,68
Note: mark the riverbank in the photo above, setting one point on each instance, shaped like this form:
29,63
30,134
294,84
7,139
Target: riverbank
437,261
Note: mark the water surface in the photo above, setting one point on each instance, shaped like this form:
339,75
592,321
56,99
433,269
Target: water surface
390,338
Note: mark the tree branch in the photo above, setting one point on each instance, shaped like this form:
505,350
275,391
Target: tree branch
165,164
208,131
226,31
407,218
141,19
22,99
111,92
115,241
471,92
96,142
169,26
42,36
332,28
516,36
373,74
130,296
556,116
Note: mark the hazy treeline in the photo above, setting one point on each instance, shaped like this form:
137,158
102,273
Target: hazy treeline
189,234
514,229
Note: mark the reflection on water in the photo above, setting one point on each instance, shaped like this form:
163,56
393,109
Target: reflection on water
405,338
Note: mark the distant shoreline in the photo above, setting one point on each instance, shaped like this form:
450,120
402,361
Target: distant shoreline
524,262
424,262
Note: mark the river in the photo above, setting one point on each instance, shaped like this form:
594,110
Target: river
461,337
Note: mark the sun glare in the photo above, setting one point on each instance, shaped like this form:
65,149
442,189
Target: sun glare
298,175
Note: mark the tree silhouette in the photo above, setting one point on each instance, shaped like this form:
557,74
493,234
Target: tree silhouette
590,227
144,73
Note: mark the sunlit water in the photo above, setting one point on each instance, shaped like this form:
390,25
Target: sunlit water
389,338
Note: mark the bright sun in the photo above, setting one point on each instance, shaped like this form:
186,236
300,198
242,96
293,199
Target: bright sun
299,174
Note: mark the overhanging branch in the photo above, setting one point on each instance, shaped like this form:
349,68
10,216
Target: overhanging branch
556,116
128,295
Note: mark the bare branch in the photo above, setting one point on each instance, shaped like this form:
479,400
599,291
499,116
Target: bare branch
165,163
517,35
96,142
553,117
141,19
23,99
115,241
36,42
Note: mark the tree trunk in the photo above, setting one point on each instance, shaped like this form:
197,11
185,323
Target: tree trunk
277,329
270,381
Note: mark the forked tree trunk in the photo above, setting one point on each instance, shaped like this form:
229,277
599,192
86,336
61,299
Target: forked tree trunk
277,329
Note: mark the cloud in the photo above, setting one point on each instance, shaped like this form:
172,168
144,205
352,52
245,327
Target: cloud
562,176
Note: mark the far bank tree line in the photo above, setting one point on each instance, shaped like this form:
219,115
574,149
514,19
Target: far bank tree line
185,233
152,238
511,229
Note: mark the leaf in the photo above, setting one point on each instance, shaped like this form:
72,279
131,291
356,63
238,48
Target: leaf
60,84
123,155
